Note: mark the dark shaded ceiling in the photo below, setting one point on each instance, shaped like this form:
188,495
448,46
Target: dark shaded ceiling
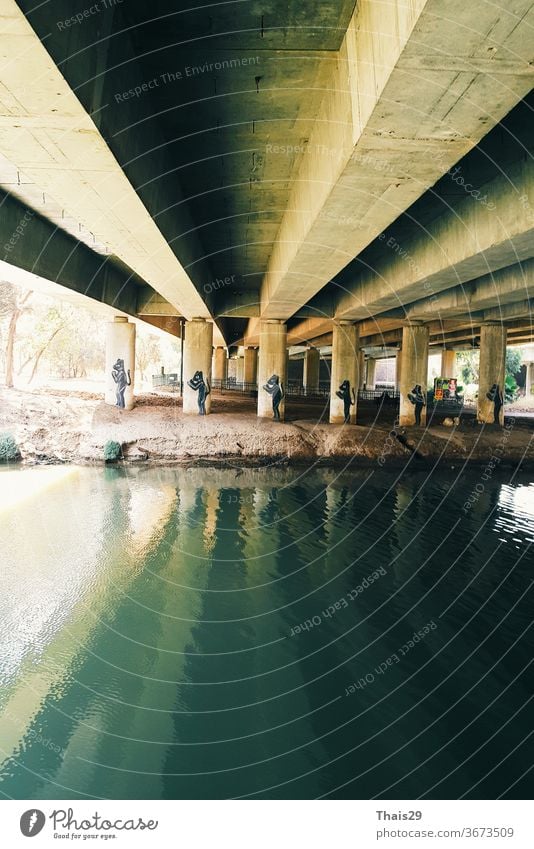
249,80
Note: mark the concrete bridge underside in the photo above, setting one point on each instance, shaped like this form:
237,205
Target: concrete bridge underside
317,166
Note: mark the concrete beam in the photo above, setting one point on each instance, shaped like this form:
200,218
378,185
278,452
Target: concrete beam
171,324
410,94
32,243
517,309
150,302
490,292
462,245
47,133
459,246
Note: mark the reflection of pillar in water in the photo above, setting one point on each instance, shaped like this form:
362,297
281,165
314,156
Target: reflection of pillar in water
133,521
174,592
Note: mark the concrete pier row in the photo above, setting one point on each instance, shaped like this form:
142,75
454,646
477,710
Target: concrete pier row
414,372
120,363
262,366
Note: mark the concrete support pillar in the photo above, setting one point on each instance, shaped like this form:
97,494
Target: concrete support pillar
398,370
448,363
120,363
272,360
529,388
251,365
491,370
219,364
231,368
240,369
361,369
345,362
198,344
310,379
371,369
414,370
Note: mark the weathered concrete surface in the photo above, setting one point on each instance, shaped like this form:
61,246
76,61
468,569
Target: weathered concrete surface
490,296
120,346
344,366
272,359
47,134
455,248
492,370
414,88
62,428
198,353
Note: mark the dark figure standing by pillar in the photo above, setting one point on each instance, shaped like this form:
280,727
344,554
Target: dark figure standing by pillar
201,386
276,391
496,396
418,400
348,402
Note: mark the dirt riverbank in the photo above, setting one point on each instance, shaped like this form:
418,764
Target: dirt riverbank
52,427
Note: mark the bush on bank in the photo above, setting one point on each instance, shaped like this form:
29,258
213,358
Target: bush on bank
112,451
9,450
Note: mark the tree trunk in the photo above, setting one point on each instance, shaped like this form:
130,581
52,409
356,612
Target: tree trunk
11,338
42,350
10,346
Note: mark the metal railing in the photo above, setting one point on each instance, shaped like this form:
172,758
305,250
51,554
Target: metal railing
383,395
386,395
170,381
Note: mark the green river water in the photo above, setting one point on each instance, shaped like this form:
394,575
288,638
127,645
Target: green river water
199,633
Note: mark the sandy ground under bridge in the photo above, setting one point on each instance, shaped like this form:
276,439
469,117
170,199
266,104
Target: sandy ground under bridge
52,426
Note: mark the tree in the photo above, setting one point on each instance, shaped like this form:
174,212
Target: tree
147,352
78,346
513,361
43,333
468,366
13,302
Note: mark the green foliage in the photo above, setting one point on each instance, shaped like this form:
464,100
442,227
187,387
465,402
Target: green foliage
468,369
510,388
468,366
513,361
9,450
112,451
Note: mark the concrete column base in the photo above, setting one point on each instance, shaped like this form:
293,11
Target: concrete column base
345,362
370,381
272,360
251,365
198,344
219,364
361,370
414,372
398,370
312,360
448,363
120,363
491,373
